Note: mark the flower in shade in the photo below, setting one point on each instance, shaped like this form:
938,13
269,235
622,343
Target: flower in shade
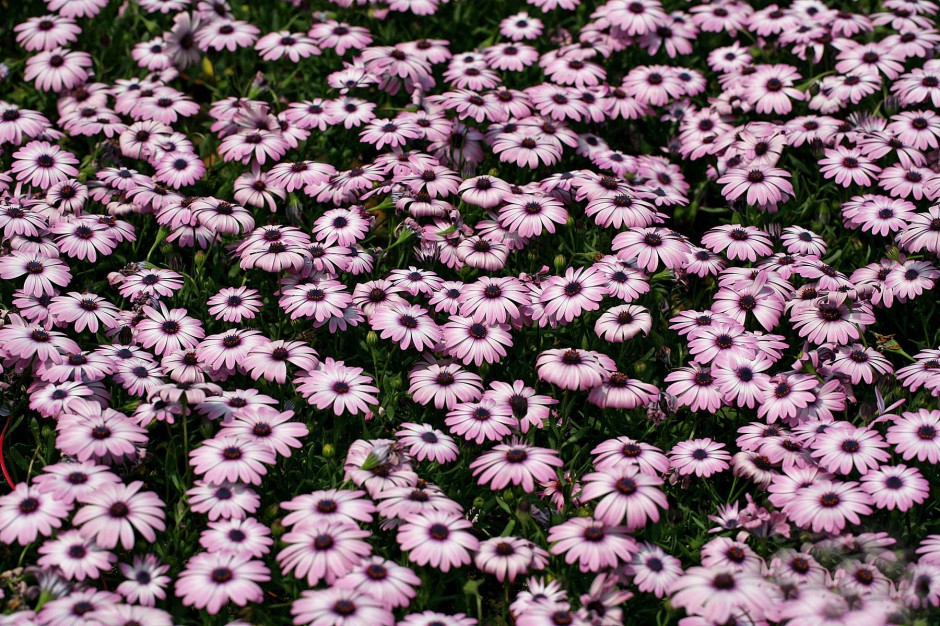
239,536
329,505
761,185
653,570
475,342
42,273
211,580
168,331
627,495
649,247
233,304
566,297
437,538
323,550
516,463
623,322
481,421
619,391
916,435
695,387
223,501
73,481
444,383
113,514
58,69
591,543
72,606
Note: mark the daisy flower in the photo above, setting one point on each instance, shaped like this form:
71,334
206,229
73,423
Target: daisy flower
230,458
389,583
591,543
896,486
340,607
323,550
444,383
827,506
438,539
344,388
26,513
424,442
516,463
211,580
329,505
627,495
762,185
702,457
716,593
77,557
112,514
407,325
509,557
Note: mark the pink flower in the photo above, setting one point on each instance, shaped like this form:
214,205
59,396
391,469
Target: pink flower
343,388
438,539
628,495
212,580
26,513
113,514
827,506
591,543
516,463
323,550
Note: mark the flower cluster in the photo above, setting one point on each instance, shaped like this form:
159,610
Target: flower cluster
572,314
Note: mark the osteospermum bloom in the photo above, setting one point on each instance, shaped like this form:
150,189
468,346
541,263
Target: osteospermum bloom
391,584
702,457
516,463
627,495
26,513
761,185
77,556
323,550
231,458
828,506
113,514
509,557
566,297
439,539
408,325
841,450
716,593
592,543
573,369
917,435
340,607
896,486
211,580
343,388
